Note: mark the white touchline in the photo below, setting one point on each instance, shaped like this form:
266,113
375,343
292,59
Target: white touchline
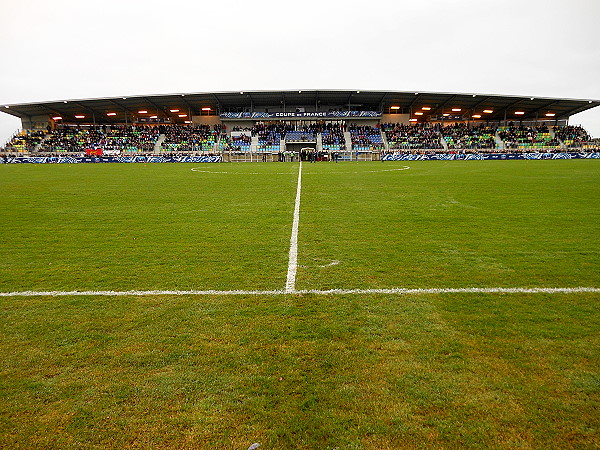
290,284
397,291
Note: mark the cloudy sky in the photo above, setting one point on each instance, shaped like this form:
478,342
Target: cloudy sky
68,49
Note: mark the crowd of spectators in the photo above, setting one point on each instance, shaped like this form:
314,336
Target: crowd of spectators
202,138
189,137
115,138
472,137
333,138
531,138
236,143
572,136
269,141
412,137
25,141
365,137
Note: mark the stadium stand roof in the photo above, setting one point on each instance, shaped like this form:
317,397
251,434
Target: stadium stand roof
122,109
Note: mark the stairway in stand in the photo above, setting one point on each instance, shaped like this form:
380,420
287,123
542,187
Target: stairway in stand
386,145
39,144
158,143
443,142
348,139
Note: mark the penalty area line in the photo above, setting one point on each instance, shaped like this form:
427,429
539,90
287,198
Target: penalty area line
395,291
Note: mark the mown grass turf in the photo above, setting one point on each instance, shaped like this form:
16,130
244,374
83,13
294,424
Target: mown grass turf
300,371
155,226
307,372
450,224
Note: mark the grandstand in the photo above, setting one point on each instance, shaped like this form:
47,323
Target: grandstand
361,125
412,137
461,136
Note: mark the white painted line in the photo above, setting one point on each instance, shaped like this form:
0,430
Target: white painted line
133,293
396,291
290,284
496,290
221,172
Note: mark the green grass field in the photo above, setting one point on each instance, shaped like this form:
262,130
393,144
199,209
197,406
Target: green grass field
306,371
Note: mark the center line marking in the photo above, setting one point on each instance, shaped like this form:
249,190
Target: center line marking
396,291
290,284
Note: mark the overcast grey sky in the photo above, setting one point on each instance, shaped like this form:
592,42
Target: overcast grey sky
67,49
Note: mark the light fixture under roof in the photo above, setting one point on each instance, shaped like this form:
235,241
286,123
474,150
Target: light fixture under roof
412,120
519,113
80,116
111,114
426,108
391,107
182,115
206,108
550,114
418,113
143,111
154,117
174,110
476,116
488,111
456,109
57,118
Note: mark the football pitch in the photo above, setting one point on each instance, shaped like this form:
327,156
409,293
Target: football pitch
351,305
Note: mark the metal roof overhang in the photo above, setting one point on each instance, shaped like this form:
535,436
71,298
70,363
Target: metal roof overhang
503,106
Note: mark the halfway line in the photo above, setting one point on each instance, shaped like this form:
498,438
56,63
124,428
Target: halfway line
290,284
397,291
